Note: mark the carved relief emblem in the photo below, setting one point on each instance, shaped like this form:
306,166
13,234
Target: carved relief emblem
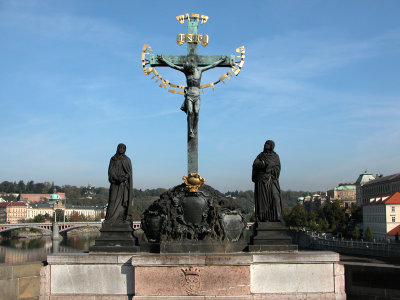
190,280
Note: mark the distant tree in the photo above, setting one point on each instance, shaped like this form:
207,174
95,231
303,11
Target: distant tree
75,217
336,216
29,187
7,187
10,198
368,233
356,233
38,188
41,218
60,215
297,217
21,187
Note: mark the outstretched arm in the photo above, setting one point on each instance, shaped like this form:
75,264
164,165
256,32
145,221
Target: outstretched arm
173,66
223,58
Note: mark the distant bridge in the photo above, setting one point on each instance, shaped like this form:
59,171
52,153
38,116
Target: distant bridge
62,226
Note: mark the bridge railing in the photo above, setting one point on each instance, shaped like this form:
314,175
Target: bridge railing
341,245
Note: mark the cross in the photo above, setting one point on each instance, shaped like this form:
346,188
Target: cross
192,65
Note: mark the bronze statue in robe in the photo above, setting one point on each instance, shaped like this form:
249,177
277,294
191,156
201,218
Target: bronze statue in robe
267,198
120,199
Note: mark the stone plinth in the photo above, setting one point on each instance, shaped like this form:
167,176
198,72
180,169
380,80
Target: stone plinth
116,238
271,236
299,275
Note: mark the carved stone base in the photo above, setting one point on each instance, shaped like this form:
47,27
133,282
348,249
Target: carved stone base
194,247
271,236
115,238
245,276
197,222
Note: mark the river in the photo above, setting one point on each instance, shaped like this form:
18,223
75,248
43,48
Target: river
36,249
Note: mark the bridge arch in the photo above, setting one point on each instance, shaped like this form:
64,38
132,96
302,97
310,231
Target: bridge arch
25,226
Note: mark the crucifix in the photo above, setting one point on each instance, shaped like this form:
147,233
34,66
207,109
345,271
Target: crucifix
192,65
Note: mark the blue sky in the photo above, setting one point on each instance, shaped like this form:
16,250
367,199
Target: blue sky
321,79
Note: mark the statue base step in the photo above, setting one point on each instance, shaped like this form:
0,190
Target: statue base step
271,236
115,238
194,247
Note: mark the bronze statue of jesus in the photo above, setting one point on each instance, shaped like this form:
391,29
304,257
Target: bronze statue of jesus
191,105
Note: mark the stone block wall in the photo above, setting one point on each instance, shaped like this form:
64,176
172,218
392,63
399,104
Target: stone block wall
20,281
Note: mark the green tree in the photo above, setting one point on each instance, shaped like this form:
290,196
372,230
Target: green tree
336,216
60,215
29,186
297,217
41,218
356,233
368,233
21,186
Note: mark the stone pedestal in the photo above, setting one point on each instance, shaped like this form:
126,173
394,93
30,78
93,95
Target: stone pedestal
271,236
115,238
301,275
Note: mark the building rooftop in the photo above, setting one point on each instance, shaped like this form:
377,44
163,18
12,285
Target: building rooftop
394,231
386,199
346,187
384,178
68,206
364,177
38,197
5,204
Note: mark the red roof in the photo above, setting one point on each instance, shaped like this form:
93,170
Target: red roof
392,199
5,204
38,197
394,231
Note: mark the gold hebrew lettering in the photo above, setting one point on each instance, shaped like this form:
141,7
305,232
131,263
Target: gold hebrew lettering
180,39
195,16
181,18
204,19
204,40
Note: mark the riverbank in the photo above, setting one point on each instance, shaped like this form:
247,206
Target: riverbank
25,233
85,231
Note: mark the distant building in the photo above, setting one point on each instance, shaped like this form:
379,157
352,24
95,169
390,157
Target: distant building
12,212
39,209
34,198
361,180
378,187
89,192
89,212
16,212
312,202
382,214
345,193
